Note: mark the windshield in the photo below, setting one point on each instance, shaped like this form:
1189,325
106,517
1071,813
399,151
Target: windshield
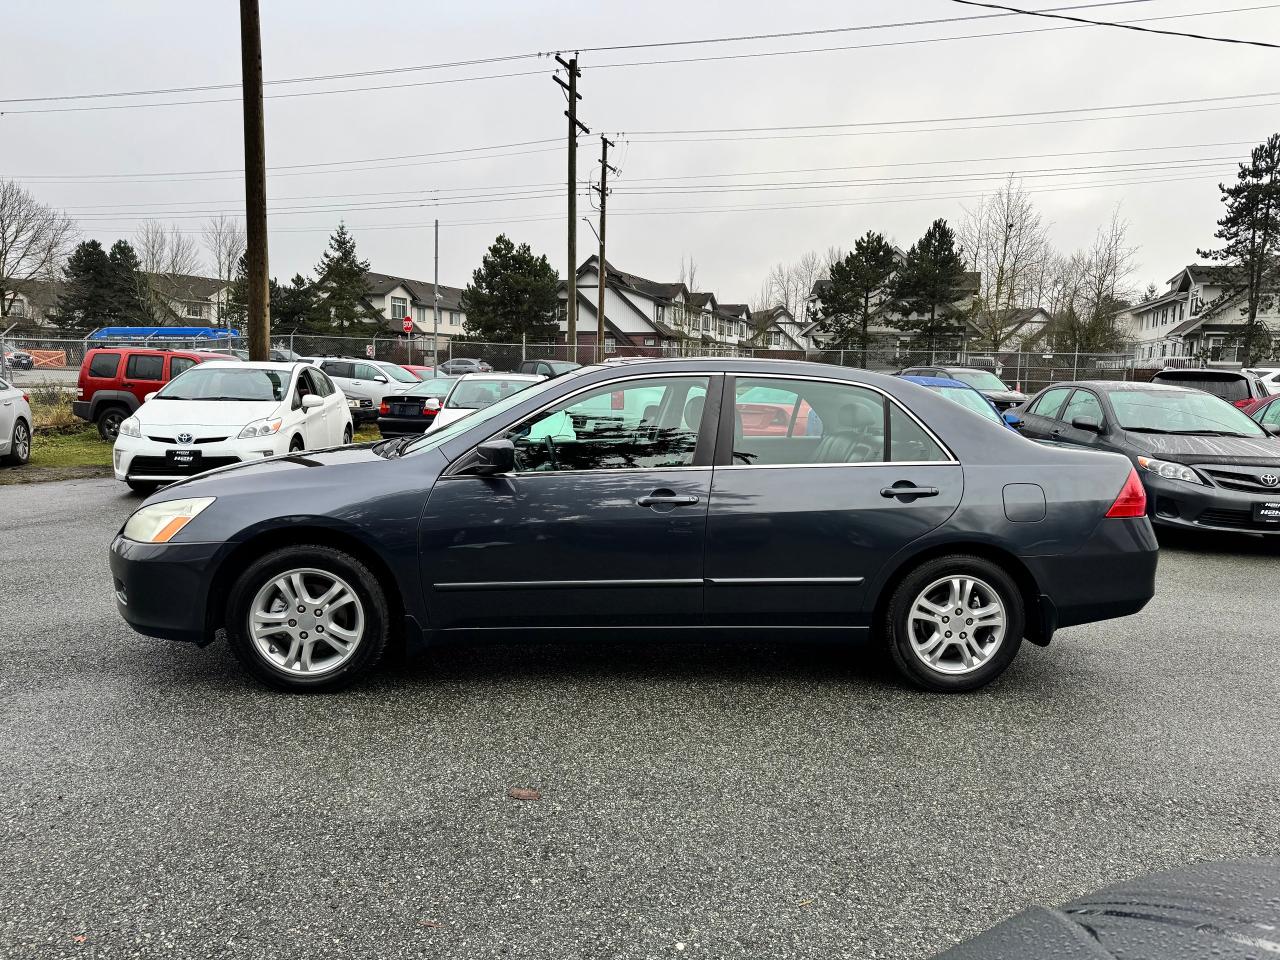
433,439
1182,412
397,373
980,379
433,387
226,383
478,394
973,401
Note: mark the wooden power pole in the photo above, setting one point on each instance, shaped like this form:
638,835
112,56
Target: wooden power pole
255,181
605,170
571,89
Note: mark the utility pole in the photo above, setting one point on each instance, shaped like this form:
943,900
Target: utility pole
255,181
571,89
435,308
605,170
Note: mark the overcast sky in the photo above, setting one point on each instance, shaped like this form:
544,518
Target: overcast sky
72,47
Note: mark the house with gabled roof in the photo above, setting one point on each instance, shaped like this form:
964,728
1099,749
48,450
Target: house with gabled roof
395,298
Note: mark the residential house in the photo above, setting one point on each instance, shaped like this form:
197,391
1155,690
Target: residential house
398,297
181,300
777,329
1021,328
1200,315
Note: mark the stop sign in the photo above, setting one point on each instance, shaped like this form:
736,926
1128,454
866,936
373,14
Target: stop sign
407,326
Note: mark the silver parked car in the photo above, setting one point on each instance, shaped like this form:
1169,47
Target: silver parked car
15,426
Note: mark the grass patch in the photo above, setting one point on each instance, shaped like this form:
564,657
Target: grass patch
78,446
51,411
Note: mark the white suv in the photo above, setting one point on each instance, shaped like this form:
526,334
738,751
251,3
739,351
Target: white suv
366,382
223,412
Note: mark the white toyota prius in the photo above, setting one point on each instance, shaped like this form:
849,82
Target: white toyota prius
219,413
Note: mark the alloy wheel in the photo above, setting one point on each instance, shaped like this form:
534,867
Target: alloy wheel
956,624
21,442
306,622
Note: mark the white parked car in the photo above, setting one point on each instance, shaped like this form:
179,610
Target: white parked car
219,413
476,391
366,382
15,425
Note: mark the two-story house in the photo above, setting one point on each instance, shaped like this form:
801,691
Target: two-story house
1200,315
398,297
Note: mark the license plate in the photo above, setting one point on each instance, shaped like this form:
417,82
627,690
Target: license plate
183,458
405,410
1267,512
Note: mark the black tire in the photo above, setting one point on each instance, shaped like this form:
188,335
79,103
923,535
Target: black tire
370,647
346,434
296,445
19,445
109,420
897,628
144,487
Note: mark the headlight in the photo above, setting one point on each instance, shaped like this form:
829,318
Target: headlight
260,428
160,522
130,428
1170,471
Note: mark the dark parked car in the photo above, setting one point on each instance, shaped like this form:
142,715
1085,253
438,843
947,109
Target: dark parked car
413,412
19,360
633,497
548,368
460,365
1204,463
1236,387
984,381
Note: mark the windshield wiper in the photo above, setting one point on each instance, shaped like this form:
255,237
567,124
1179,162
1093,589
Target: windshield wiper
1146,430
1210,433
392,447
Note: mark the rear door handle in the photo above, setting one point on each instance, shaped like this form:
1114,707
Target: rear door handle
667,500
903,489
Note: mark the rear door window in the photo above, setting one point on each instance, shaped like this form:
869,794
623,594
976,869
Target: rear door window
339,368
145,366
104,365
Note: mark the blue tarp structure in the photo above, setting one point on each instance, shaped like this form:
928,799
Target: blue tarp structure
164,333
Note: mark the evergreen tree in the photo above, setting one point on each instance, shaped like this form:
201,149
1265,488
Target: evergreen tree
130,292
1250,235
512,294
292,306
86,300
859,285
341,287
930,285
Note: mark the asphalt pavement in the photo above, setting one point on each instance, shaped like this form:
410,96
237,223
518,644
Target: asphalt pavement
698,799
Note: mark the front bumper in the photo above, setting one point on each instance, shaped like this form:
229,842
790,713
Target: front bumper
362,411
143,459
1193,506
162,589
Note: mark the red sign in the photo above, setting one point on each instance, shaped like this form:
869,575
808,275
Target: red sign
407,326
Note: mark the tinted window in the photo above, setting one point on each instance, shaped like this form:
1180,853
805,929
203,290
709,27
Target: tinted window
104,364
806,422
1083,404
178,364
143,366
339,368
1228,387
644,424
1050,402
908,440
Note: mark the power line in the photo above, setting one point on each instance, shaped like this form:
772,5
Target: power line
1118,25
532,54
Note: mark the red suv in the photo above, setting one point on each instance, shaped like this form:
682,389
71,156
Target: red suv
115,380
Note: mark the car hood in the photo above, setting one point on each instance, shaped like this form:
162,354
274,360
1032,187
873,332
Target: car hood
275,472
1251,451
1004,396
201,413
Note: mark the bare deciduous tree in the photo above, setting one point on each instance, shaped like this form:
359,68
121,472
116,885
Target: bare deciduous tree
689,273
34,240
789,285
224,241
1093,287
1006,241
166,251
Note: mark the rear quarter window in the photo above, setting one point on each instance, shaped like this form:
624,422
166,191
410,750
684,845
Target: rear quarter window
104,365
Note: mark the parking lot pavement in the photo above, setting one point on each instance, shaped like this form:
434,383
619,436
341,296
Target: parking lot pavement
37,377
698,799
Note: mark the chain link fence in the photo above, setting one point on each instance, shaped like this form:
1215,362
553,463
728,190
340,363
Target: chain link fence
59,358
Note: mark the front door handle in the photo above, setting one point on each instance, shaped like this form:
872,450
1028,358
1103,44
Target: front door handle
907,491
665,498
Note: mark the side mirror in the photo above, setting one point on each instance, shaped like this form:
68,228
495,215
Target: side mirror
379,379
150,396
1013,419
1090,424
496,456
311,401
431,404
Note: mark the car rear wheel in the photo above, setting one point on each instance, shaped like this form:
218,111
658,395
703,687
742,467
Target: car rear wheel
19,445
307,618
109,421
346,435
955,623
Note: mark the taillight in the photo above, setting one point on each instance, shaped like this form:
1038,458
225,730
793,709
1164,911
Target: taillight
1132,501
383,409
1246,402
25,398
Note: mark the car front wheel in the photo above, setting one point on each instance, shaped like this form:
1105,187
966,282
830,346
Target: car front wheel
307,618
955,623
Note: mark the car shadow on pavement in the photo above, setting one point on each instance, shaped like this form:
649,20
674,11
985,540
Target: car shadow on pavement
1218,544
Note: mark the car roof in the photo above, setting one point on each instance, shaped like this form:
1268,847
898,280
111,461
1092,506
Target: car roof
1205,373
1109,386
501,376
937,382
253,364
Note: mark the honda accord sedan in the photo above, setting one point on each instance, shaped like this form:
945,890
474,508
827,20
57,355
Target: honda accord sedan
636,497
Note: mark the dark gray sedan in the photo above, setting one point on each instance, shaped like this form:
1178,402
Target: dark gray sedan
650,496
